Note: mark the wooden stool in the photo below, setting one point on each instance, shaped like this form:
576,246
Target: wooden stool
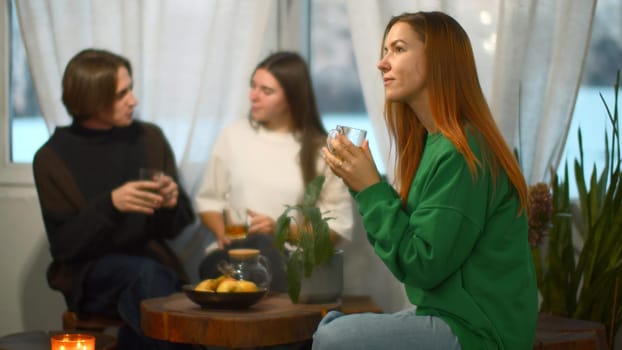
557,333
92,323
354,304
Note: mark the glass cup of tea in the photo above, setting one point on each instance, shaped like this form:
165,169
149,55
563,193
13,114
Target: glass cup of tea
236,222
150,174
356,136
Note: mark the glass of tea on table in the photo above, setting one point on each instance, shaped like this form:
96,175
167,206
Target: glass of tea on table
236,222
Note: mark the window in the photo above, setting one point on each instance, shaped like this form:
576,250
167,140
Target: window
602,62
28,130
21,125
334,72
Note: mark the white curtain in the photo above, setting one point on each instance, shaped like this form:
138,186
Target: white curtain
191,63
541,49
536,46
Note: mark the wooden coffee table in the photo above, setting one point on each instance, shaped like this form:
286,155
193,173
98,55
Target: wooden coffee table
274,320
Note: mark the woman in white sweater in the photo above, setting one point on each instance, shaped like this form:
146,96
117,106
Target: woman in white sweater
265,162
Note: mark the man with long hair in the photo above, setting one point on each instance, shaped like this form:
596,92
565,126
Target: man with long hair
107,230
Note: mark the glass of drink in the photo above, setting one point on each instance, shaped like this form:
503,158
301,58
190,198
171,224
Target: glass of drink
356,136
150,174
236,222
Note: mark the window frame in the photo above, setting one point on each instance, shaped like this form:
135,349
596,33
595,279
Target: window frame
11,174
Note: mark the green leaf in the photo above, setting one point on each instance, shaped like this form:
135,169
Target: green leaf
324,248
311,214
282,230
307,246
312,192
538,264
294,266
580,146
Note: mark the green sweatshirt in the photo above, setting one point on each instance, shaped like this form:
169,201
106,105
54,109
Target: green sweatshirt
459,247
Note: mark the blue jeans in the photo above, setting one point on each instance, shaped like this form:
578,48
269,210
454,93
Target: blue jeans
116,284
400,330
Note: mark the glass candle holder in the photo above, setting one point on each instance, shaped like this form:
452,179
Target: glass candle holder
72,341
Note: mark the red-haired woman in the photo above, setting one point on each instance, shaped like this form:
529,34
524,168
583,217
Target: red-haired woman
455,231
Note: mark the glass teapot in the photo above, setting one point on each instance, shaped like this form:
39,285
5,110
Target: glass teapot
249,265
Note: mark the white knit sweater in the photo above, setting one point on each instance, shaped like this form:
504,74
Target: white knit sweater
259,170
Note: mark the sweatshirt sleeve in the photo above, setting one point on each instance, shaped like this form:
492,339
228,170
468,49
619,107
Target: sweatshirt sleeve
73,227
427,240
215,179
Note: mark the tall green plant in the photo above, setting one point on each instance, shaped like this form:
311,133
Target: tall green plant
558,265
588,288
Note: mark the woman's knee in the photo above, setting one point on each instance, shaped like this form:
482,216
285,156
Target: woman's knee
326,338
329,335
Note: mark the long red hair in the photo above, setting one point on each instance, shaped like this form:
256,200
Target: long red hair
456,101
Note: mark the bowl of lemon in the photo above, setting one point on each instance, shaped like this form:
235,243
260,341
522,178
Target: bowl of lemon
224,292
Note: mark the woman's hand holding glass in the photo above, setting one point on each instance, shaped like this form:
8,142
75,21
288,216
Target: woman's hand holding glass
256,223
355,165
260,223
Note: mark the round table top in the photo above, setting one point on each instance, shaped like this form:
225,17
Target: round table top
272,321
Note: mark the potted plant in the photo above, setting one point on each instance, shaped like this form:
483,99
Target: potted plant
303,236
583,281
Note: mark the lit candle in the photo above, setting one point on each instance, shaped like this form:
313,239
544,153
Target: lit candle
72,341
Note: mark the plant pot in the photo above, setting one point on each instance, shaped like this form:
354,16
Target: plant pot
325,285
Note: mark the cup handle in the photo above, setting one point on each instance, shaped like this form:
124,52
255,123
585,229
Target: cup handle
329,139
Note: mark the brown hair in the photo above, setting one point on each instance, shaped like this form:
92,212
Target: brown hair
456,101
291,71
90,82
